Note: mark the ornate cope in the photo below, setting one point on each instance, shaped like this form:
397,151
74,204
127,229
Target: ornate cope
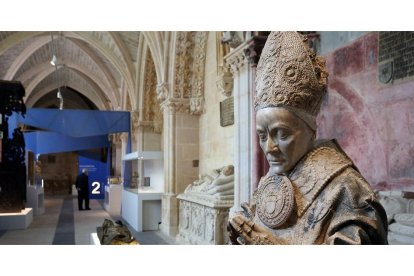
278,196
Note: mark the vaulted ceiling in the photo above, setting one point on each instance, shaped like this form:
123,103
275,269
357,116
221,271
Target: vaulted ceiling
99,65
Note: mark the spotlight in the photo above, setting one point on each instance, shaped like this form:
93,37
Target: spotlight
53,61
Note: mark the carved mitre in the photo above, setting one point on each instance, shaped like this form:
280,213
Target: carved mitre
290,75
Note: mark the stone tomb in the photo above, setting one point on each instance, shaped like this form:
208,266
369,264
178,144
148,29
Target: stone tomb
204,208
202,221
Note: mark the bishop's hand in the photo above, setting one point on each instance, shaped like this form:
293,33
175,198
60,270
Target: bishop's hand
243,230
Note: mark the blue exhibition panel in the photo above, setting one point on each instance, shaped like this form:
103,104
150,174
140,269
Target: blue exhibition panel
77,130
45,142
98,174
77,123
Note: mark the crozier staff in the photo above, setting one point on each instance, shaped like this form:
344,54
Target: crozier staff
312,193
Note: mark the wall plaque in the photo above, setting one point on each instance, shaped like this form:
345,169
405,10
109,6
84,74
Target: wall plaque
395,56
227,112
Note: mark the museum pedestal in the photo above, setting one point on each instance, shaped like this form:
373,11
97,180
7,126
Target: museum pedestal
94,239
141,208
113,195
35,199
202,219
11,221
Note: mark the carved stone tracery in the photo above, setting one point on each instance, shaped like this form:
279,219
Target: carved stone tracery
134,125
236,60
151,108
189,69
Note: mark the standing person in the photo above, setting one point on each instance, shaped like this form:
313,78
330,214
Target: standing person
313,193
82,186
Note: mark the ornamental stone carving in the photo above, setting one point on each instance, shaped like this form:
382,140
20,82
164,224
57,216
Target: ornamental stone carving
225,82
200,223
123,137
232,38
173,106
216,186
199,60
134,124
196,105
204,208
189,69
183,64
150,90
162,92
152,94
236,60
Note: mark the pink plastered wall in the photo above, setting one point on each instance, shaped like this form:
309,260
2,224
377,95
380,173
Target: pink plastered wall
373,122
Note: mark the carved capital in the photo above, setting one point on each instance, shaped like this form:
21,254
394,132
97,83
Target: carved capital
162,92
173,106
236,60
145,125
134,118
224,82
254,49
123,137
232,38
115,138
196,105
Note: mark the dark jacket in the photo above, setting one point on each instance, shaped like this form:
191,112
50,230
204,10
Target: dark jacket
82,182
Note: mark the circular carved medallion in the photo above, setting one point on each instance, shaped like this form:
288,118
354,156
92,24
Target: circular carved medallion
275,201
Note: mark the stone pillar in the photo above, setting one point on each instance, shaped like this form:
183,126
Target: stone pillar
124,143
248,157
181,148
238,63
260,165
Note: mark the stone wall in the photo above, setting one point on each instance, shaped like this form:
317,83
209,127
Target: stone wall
216,142
59,172
373,122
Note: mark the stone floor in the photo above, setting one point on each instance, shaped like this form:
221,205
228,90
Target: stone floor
63,224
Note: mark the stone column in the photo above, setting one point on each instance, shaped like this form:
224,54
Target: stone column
248,157
181,148
238,65
124,141
260,165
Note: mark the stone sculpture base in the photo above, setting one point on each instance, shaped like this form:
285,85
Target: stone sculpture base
202,219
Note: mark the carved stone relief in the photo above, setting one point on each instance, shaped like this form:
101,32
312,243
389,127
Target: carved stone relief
150,83
197,83
224,82
232,38
162,92
210,229
176,105
183,64
204,207
189,69
235,61
151,108
134,125
201,222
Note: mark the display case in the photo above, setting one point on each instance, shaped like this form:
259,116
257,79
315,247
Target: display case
35,199
113,194
141,203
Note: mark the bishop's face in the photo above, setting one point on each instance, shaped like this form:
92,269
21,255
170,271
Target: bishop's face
284,138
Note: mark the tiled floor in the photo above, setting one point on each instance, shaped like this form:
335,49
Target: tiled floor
62,223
